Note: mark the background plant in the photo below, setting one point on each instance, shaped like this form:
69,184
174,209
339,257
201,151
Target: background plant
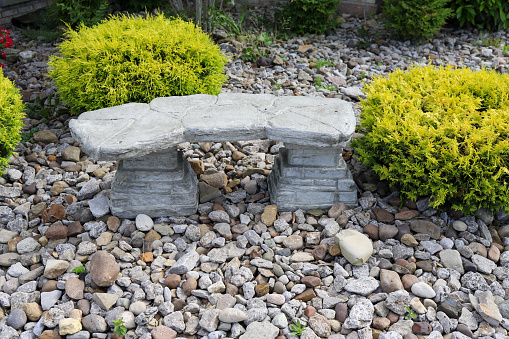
11,119
482,14
134,6
200,11
74,12
416,19
5,41
119,327
311,16
297,329
127,59
440,132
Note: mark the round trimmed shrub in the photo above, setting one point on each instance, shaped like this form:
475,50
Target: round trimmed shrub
440,132
11,119
132,59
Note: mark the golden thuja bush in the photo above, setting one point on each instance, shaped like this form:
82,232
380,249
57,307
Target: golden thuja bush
133,59
11,119
440,132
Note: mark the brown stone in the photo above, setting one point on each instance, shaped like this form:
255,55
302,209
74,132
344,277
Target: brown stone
178,304
386,232
163,332
13,243
381,323
172,281
390,281
236,155
147,257
74,288
232,289
376,333
304,48
261,289
50,334
425,265
409,240
408,280
189,285
406,215
53,213
336,210
393,317
217,180
309,311
382,215
341,312
422,328
372,231
49,286
33,311
197,165
45,136
478,248
104,270
426,227
311,281
307,295
334,250
269,215
75,228
57,231
494,253
113,223
30,189
319,252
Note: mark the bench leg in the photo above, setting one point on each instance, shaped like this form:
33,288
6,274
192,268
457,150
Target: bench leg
158,184
310,178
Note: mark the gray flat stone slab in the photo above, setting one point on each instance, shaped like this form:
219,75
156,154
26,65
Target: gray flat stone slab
134,130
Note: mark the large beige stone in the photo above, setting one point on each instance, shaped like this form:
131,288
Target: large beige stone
69,326
355,246
104,270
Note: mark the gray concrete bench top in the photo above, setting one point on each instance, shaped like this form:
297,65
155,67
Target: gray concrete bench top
135,129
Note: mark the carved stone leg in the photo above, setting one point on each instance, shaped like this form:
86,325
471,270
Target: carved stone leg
310,178
158,184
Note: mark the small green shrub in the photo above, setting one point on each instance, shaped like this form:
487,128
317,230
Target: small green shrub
311,16
11,119
126,59
482,14
416,19
440,132
74,12
138,5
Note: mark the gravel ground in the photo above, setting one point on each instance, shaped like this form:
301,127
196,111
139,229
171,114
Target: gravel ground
239,268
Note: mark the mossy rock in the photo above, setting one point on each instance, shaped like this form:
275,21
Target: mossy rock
132,59
440,132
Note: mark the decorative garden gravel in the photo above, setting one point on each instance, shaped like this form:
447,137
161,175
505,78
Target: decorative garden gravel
238,268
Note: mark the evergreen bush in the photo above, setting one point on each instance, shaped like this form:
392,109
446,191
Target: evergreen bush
74,12
133,59
440,132
11,119
311,16
416,19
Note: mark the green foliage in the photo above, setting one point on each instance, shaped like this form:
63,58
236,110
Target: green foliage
80,269
11,119
127,59
482,14
410,314
487,40
416,19
440,132
297,329
74,12
119,328
258,47
135,6
27,136
311,16
324,63
44,108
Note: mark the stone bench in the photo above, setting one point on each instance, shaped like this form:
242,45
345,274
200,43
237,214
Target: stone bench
153,178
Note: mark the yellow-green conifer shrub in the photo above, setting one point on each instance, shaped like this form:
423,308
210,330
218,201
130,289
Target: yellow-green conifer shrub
440,132
11,119
133,59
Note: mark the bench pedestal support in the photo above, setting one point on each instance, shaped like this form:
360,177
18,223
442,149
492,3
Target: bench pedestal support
158,184
310,178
